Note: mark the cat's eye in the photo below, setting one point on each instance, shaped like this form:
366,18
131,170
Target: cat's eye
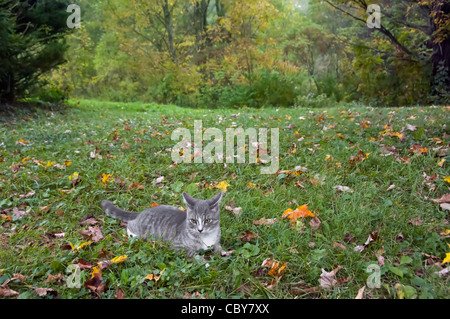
193,221
208,221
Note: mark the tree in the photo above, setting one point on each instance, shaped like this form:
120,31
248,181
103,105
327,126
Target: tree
31,43
401,20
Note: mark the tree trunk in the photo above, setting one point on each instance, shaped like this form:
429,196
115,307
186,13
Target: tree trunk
200,22
440,11
169,29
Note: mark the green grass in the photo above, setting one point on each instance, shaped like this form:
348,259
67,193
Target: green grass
138,155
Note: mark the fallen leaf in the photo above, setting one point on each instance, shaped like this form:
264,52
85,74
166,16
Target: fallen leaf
264,221
444,199
299,212
360,294
119,294
29,194
95,284
336,244
7,292
327,279
226,253
245,289
195,295
372,237
390,187
443,272
343,188
92,233
106,178
248,236
19,213
44,291
59,278
276,269
89,220
415,221
348,238
315,223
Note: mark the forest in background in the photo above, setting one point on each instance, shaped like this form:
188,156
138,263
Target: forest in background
229,53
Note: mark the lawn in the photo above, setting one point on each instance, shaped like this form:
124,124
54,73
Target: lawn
367,176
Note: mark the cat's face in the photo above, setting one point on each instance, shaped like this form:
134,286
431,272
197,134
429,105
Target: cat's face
202,215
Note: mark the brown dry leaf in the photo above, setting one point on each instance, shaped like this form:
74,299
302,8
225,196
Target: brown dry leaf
391,187
276,270
348,238
19,212
360,294
361,157
444,199
305,290
15,168
59,278
95,284
246,289
372,237
92,233
119,294
90,220
136,185
29,194
264,221
226,253
7,292
44,209
415,221
315,223
248,236
15,276
195,295
327,279
44,291
336,244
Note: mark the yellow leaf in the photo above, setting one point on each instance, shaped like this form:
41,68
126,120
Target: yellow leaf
149,277
83,244
328,158
67,162
223,186
441,163
49,163
106,178
446,259
95,270
447,232
447,179
119,259
74,176
251,185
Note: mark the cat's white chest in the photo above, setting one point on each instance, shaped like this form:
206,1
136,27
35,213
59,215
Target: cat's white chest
209,239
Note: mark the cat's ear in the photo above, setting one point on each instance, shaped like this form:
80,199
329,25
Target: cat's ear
188,200
215,201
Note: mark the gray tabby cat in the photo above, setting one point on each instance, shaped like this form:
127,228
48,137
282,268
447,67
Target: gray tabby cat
196,228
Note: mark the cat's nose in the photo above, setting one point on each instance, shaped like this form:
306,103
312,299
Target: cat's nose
200,230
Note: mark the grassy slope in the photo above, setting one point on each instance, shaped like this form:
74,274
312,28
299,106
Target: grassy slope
139,157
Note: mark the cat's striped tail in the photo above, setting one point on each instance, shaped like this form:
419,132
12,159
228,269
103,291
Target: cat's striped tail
117,213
